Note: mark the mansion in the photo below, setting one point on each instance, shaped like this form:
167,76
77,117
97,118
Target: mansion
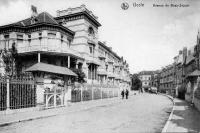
65,42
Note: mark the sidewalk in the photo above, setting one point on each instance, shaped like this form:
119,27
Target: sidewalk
184,118
73,107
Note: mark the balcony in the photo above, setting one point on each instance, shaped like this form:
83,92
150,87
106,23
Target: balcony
101,71
54,47
92,39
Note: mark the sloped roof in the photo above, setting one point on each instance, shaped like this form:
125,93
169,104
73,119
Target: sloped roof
189,59
43,17
194,73
43,67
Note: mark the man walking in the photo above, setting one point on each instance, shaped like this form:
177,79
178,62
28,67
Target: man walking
122,93
127,93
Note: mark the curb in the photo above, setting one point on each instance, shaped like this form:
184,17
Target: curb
164,130
55,114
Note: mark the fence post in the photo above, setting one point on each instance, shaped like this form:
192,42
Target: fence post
113,93
8,94
101,92
92,92
81,93
54,96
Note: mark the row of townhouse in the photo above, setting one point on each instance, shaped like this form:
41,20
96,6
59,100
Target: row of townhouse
167,78
183,76
52,47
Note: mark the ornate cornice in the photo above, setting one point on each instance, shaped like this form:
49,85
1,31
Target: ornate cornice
36,27
75,16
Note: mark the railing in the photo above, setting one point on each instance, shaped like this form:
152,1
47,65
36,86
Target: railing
17,93
3,94
93,92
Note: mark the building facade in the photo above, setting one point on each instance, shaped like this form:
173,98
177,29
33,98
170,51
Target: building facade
167,78
68,40
146,78
59,45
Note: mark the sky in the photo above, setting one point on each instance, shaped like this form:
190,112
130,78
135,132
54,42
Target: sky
147,37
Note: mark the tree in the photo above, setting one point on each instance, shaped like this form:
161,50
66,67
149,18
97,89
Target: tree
136,82
10,59
80,74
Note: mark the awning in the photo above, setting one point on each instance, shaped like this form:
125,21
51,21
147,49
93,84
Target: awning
118,78
102,56
111,75
93,62
102,73
43,67
194,73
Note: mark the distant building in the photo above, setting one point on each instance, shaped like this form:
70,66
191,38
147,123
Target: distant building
145,77
155,79
167,78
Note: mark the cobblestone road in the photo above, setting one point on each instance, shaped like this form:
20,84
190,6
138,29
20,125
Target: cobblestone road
140,113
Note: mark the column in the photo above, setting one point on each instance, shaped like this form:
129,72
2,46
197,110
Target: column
68,61
39,57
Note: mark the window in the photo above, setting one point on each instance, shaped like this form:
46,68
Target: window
19,38
40,35
29,38
6,41
6,37
91,47
92,72
91,31
52,35
61,37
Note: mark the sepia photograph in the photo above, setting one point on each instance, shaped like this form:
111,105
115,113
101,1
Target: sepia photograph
99,66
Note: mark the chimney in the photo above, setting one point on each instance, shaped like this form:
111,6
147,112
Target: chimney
34,11
189,52
34,14
180,52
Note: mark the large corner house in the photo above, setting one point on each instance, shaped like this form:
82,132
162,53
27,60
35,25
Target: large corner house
59,44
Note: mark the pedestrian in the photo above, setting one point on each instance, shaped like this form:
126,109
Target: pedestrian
122,93
126,93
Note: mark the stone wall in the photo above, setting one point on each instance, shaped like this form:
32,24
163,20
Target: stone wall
188,97
197,103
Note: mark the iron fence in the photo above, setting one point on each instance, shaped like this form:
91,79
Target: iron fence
17,92
3,94
93,92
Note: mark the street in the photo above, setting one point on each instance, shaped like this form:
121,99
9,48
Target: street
140,113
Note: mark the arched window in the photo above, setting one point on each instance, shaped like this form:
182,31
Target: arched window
91,31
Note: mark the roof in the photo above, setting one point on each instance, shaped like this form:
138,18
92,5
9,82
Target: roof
194,73
108,49
43,18
189,59
43,67
146,72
